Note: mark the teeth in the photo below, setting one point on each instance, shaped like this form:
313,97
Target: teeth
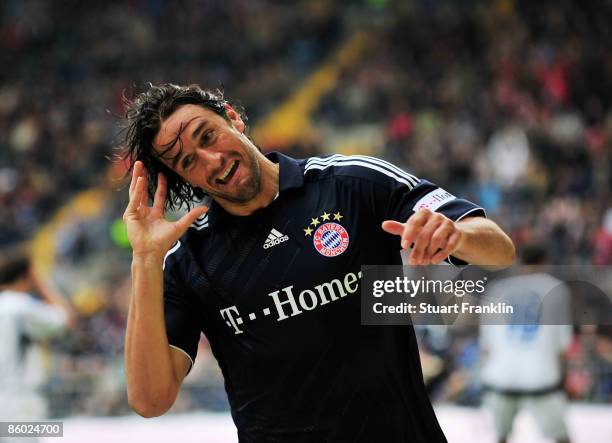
227,171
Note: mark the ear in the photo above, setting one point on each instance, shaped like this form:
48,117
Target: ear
234,117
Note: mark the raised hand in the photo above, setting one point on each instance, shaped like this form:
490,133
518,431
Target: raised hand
148,232
433,236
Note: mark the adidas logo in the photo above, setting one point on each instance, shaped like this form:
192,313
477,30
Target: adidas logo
275,238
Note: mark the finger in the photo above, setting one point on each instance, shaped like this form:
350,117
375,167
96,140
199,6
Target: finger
449,248
393,227
411,231
136,172
186,220
421,216
135,197
144,196
438,240
413,226
159,201
422,240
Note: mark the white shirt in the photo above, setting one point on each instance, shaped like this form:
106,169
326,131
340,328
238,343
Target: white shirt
23,316
527,357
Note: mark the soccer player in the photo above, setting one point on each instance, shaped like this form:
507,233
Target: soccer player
269,271
523,363
25,320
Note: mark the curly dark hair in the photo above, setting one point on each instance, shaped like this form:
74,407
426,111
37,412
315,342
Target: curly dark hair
144,115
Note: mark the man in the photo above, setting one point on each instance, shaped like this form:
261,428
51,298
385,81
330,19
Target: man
25,320
271,275
522,363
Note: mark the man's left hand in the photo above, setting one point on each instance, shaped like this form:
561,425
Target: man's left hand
432,235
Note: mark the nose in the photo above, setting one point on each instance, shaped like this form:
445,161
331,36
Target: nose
212,161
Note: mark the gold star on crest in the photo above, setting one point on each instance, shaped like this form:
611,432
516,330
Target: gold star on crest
308,231
337,216
315,221
325,216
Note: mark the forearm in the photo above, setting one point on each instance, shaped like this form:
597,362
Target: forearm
151,381
51,295
484,243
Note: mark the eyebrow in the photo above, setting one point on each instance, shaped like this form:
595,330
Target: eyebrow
198,129
167,147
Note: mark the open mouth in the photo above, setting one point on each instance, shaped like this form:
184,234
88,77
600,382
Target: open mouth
228,173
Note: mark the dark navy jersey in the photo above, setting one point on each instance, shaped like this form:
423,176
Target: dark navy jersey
277,295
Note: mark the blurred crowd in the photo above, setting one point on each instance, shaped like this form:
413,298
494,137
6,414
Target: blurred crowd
508,103
70,63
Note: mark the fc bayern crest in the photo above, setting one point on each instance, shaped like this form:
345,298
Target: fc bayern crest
330,239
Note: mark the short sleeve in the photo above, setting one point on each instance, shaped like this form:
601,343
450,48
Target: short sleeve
395,194
406,200
180,314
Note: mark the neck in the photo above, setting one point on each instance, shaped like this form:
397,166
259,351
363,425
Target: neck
21,285
269,185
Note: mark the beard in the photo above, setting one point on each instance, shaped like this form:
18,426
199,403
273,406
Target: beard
248,190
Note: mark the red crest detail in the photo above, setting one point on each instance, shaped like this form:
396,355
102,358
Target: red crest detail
330,239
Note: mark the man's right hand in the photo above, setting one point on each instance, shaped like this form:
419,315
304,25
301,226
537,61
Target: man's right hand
148,232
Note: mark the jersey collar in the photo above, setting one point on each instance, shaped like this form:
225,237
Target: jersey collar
290,175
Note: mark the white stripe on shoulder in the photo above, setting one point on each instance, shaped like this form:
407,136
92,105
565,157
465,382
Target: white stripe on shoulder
391,167
324,160
199,228
200,223
170,252
404,178
376,161
383,163
364,164
201,219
